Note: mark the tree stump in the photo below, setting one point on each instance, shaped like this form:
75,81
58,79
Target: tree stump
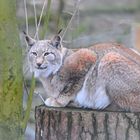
83,124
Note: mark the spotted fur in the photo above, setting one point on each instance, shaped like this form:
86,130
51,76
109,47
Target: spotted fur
102,75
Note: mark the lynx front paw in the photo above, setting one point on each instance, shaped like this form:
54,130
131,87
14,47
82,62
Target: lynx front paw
52,102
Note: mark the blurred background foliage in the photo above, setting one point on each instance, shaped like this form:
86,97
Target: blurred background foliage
95,21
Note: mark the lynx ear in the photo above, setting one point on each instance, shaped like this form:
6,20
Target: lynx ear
30,41
56,41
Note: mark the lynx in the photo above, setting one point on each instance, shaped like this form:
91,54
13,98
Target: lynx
102,75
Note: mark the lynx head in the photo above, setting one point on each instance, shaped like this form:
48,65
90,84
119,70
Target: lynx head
44,56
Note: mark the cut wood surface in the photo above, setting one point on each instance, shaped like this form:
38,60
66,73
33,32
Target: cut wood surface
83,124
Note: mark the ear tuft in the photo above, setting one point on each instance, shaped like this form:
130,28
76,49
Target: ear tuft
30,41
56,41
59,31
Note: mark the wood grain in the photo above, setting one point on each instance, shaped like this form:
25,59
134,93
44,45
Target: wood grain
83,124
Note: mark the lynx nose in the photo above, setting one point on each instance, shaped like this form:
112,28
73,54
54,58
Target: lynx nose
38,64
39,61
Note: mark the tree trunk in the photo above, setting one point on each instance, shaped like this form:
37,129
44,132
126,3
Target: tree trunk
10,73
83,124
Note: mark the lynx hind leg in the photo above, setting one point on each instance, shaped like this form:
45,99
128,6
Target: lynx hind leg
129,102
101,98
64,100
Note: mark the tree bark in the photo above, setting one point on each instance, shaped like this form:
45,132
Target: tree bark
83,124
10,73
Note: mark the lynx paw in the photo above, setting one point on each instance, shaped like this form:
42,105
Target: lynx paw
52,102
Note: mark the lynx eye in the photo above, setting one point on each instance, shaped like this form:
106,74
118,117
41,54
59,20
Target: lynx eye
34,53
47,53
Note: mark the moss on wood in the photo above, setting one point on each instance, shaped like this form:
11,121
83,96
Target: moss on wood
10,72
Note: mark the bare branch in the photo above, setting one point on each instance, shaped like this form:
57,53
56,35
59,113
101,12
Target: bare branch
67,12
40,96
26,16
73,15
25,86
39,22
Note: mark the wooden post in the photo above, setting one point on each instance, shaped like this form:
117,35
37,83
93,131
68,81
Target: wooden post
83,124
